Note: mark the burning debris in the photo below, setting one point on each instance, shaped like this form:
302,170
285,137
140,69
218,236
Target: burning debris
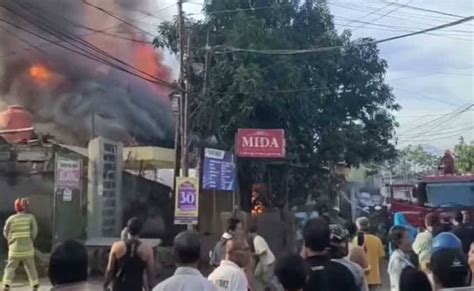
82,72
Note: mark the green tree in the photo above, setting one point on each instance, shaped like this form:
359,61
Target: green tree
414,161
334,105
464,156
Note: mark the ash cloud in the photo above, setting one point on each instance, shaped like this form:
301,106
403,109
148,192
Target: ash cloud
71,96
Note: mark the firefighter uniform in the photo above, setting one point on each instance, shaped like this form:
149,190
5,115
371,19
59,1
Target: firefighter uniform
20,231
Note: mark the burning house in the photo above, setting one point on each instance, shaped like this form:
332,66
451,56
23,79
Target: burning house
85,69
76,70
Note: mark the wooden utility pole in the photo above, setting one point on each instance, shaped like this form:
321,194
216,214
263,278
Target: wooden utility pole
184,104
182,85
184,52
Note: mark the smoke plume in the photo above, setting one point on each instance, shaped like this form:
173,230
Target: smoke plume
71,96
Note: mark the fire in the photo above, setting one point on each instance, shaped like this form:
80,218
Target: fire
149,62
40,73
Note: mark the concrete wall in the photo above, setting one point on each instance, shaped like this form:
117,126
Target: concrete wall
152,203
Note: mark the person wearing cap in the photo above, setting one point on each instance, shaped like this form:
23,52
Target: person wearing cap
233,225
20,231
450,269
400,258
339,252
375,251
448,264
325,274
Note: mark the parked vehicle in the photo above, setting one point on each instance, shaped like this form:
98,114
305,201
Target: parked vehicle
445,194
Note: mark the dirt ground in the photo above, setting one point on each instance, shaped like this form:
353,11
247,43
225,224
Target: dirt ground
45,285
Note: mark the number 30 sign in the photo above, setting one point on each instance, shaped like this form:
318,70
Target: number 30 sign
187,200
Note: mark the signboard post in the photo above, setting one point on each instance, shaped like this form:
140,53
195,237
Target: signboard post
68,176
219,170
261,143
67,197
186,200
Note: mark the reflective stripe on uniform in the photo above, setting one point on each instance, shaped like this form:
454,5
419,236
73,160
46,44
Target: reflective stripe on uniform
34,283
21,228
20,235
15,254
21,221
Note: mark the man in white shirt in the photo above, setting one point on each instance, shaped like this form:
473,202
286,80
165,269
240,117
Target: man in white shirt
266,261
229,276
186,250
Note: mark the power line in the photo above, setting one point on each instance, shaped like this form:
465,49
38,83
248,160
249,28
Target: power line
368,14
457,134
426,126
419,116
382,16
330,48
116,17
431,74
244,9
94,31
429,10
79,50
411,18
68,38
97,59
426,96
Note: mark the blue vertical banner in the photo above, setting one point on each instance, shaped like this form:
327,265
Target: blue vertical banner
219,170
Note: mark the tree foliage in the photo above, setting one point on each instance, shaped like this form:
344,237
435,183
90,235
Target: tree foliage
334,106
414,161
464,156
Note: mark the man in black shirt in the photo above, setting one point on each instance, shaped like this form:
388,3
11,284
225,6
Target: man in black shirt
325,274
464,231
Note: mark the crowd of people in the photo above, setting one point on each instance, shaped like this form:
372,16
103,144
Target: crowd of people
333,257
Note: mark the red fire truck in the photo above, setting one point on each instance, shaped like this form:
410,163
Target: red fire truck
445,194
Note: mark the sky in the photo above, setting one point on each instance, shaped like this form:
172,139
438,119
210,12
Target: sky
432,76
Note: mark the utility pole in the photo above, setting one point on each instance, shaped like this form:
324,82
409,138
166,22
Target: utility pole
183,114
183,104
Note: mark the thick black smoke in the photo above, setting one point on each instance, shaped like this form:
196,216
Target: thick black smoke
72,96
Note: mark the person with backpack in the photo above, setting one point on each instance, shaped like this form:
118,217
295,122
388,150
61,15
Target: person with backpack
128,261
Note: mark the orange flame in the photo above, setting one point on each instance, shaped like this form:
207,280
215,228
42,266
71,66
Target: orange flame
40,73
149,62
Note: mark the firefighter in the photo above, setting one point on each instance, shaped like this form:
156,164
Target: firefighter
20,231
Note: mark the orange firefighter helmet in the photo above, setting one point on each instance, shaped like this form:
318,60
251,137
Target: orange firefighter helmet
21,204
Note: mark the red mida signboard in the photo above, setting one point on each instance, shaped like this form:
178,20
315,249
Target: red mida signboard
261,143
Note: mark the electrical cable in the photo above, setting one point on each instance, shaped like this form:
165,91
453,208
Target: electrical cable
429,10
382,16
51,31
116,17
429,97
370,13
427,127
244,9
330,48
94,31
437,138
86,55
